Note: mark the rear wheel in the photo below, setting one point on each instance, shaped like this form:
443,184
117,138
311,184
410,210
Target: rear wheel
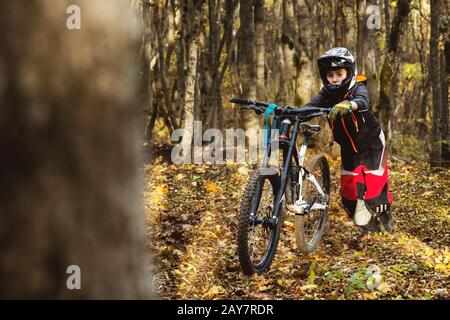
310,225
258,233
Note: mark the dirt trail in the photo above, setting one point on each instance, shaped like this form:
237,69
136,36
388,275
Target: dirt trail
192,214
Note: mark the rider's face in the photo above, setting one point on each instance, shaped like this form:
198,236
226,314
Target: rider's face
336,77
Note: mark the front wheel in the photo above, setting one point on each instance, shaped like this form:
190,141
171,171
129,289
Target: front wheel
258,233
310,225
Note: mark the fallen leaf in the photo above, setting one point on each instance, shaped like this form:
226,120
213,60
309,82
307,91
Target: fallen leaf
308,287
384,287
214,290
211,187
368,296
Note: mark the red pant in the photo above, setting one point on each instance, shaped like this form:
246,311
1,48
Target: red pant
365,176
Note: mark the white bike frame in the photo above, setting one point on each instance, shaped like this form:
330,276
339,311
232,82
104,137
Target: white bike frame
300,204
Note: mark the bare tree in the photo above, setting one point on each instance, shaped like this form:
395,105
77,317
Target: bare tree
260,49
246,60
289,70
435,70
192,10
388,75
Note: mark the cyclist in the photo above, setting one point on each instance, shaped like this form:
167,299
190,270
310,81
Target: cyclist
364,173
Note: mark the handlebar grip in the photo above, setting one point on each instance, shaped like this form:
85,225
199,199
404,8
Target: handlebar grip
242,101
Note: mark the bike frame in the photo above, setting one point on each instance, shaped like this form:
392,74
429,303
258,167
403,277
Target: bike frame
299,160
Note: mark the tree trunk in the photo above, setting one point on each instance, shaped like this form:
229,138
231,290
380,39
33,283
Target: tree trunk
148,61
246,60
70,193
213,61
445,79
305,54
387,18
368,53
192,14
338,23
436,129
229,40
388,75
423,128
289,71
260,51
159,21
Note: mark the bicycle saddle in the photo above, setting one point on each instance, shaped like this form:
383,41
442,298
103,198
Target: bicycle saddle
310,128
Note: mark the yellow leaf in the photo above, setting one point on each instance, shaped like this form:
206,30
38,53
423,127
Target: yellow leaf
178,272
384,287
214,290
440,267
222,243
280,282
308,287
368,296
288,225
162,189
208,233
263,288
211,187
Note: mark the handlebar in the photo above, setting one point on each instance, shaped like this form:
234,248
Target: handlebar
260,106
249,102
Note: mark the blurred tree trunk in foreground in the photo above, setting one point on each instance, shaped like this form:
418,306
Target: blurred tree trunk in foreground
70,188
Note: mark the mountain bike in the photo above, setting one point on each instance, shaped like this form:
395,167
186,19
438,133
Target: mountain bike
301,189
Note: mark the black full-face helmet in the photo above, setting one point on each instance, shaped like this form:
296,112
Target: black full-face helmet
334,59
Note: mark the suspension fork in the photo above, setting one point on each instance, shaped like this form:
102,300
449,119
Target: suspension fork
265,166
284,172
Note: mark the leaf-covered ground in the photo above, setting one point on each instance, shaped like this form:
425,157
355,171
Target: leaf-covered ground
192,215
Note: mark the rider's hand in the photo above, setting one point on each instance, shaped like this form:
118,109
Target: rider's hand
342,108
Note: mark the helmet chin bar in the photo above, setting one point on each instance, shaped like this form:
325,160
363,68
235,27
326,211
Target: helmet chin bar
333,86
346,84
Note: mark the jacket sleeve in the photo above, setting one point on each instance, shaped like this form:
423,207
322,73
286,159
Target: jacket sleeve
361,98
318,100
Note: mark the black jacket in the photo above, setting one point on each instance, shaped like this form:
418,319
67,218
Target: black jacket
357,131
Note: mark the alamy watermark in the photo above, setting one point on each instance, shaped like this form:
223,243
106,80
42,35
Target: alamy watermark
74,280
214,147
374,19
73,21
